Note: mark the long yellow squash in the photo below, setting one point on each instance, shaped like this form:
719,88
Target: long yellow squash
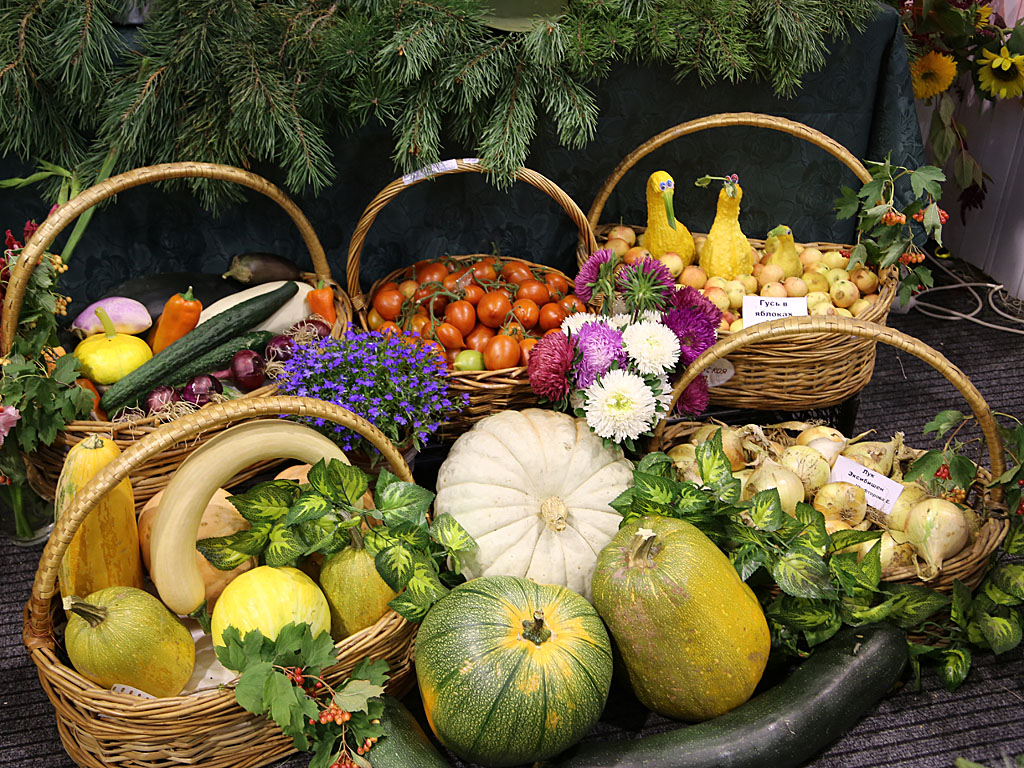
211,466
105,549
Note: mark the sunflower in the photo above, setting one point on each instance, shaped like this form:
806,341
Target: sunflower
932,73
984,12
1002,74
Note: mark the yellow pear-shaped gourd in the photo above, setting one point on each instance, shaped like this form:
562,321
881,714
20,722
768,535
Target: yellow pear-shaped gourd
781,251
665,233
727,252
109,356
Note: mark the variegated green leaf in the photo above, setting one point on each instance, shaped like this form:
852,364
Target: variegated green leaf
376,539
714,467
998,596
447,532
849,538
915,604
801,613
956,663
746,560
659,464
424,586
690,499
220,554
266,502
283,547
961,607
766,510
1009,577
814,533
622,502
406,607
823,632
394,564
316,533
653,488
416,536
1001,633
802,574
309,506
405,502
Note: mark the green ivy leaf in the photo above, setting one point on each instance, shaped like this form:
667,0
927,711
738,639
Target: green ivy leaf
1009,577
644,507
848,204
914,604
961,605
250,687
925,466
955,664
747,559
319,652
309,506
766,510
659,464
406,607
266,502
283,547
1001,633
927,179
943,422
854,576
941,138
394,564
802,573
962,471
231,654
220,552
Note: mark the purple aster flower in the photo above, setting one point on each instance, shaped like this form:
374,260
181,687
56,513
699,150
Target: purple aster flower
598,267
693,330
690,298
599,346
695,397
549,365
646,284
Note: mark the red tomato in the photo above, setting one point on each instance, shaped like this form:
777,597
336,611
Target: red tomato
419,324
407,288
462,315
525,348
390,285
451,281
414,270
389,328
493,309
477,338
374,320
432,273
551,316
388,303
474,293
428,297
450,336
516,272
484,271
526,311
534,290
572,304
501,352
557,285
552,330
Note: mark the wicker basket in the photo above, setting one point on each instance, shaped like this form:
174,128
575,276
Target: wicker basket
488,391
100,728
44,466
971,563
795,375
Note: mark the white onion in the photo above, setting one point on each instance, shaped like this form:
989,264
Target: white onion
813,433
896,552
828,447
937,529
844,501
912,493
773,475
807,464
873,455
684,457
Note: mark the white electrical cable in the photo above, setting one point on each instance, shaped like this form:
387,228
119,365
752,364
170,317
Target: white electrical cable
945,313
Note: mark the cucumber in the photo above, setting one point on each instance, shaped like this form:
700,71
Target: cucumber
405,745
784,726
218,358
164,365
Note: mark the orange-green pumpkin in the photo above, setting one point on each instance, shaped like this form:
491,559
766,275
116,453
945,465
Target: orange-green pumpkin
692,635
511,671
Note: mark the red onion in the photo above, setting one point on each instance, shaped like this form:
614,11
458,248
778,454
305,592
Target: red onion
280,348
247,369
313,325
199,390
160,398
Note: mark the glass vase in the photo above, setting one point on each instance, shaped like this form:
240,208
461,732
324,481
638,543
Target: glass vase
25,518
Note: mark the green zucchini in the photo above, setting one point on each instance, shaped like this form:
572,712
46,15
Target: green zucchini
218,358
164,365
784,726
404,745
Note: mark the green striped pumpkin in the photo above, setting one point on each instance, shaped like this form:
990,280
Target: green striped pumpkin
511,671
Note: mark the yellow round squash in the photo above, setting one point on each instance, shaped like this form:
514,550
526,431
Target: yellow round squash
266,599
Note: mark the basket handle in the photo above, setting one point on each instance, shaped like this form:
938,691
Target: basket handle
55,223
444,168
788,327
724,120
37,633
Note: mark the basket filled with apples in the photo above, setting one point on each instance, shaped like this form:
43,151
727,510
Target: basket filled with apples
756,280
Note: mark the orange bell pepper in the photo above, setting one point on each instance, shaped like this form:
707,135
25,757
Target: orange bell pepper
181,315
321,302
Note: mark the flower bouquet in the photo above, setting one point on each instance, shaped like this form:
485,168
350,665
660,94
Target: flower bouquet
396,384
615,368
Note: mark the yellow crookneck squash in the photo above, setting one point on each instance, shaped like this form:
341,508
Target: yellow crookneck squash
727,252
665,233
105,549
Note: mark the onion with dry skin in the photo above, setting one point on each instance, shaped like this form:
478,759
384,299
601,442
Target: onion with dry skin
807,464
876,456
842,501
896,552
828,447
732,443
813,433
911,495
937,529
773,475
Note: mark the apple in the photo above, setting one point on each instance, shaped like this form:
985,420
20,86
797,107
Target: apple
698,243
673,262
617,245
624,233
749,283
756,271
737,325
775,290
815,281
818,297
843,293
770,273
835,260
865,280
718,297
859,306
693,276
735,291
835,275
716,282
870,298
823,308
809,256
635,254
843,312
795,287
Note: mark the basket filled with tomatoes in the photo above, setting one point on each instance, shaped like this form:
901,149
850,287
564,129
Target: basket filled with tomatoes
482,313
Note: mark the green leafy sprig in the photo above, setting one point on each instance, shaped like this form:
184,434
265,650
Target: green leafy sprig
282,679
290,521
808,583
887,228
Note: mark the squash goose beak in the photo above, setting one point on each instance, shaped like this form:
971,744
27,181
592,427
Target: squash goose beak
669,211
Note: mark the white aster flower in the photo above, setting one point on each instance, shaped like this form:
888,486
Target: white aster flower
652,346
620,405
572,323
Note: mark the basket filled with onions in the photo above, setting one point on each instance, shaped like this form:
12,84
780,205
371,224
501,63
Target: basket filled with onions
939,518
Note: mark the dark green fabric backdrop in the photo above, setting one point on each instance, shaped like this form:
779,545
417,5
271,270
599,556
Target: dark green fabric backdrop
862,98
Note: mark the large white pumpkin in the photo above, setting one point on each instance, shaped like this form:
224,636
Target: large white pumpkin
533,488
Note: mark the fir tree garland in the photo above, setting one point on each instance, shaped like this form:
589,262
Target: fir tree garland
236,81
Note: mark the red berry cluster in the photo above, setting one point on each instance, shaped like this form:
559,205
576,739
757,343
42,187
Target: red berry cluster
366,745
956,495
942,472
343,761
911,257
943,216
334,714
892,217
295,675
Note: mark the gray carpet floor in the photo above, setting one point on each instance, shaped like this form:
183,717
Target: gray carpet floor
983,721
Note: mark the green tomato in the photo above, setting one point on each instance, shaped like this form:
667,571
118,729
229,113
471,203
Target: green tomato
469,360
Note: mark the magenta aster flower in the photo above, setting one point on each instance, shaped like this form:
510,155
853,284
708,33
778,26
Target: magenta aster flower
689,298
645,284
599,346
550,362
598,267
695,397
693,330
